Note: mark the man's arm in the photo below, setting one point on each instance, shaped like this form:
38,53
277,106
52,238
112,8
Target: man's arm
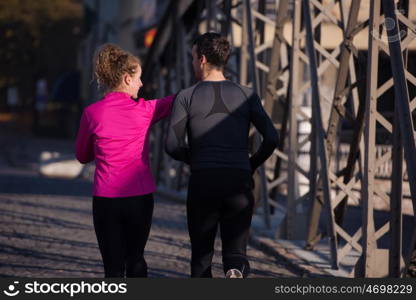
175,140
265,126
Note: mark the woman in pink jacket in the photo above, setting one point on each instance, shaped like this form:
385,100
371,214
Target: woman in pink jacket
115,133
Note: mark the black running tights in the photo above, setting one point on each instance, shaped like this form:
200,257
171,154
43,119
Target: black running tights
219,198
122,227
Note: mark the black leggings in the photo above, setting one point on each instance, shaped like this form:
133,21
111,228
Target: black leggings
219,197
122,226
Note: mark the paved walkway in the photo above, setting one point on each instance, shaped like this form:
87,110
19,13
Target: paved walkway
46,227
46,230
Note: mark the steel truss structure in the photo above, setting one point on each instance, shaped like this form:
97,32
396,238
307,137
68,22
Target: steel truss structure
325,96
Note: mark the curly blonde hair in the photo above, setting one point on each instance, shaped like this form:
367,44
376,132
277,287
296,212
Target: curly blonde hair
110,64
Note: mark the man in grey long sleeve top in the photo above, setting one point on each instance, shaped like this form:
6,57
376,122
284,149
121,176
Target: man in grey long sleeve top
215,114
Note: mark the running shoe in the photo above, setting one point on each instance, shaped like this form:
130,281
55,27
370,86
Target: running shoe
233,273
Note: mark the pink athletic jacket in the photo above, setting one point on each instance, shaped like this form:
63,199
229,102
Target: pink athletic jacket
115,132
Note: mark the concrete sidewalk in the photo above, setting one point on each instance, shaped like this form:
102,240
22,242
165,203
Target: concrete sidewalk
27,152
309,263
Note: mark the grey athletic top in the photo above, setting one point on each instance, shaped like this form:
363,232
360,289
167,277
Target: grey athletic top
216,116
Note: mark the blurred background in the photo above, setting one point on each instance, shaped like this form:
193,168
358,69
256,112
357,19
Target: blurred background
46,48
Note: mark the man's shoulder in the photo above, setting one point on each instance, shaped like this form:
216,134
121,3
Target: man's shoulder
187,92
247,91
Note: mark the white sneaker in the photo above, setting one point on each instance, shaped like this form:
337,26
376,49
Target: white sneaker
233,273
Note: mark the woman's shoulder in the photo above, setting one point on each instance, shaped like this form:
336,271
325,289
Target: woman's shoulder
91,108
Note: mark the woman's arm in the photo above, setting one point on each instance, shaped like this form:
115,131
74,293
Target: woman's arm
84,145
160,108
